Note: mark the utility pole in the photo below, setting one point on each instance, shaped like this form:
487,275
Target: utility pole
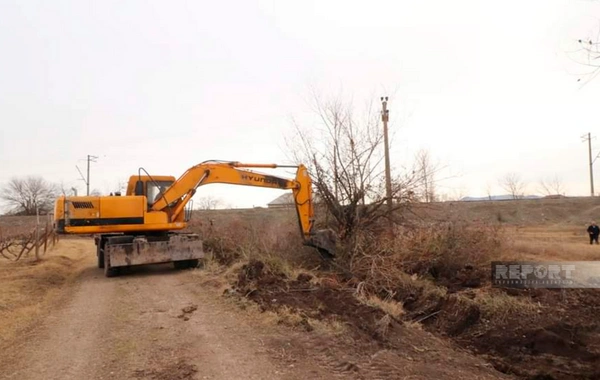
88,176
385,115
588,138
86,179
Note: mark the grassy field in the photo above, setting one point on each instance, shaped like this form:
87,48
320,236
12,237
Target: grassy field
557,242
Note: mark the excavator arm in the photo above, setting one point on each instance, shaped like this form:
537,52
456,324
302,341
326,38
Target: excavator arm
174,199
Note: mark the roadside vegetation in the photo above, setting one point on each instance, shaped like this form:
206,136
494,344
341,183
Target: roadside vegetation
432,275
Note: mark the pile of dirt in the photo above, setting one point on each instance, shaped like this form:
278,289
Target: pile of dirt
556,337
325,301
180,370
561,340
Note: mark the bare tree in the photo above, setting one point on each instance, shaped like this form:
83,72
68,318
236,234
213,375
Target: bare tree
208,202
488,190
65,189
119,186
513,184
345,159
552,186
589,48
27,195
455,195
588,54
426,175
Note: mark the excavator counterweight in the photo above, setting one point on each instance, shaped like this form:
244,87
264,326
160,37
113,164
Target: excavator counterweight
144,225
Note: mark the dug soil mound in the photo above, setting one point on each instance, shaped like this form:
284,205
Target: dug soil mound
530,334
560,340
326,301
533,334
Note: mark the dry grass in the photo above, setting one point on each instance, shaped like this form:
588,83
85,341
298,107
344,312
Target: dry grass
287,317
413,325
240,239
388,305
29,287
558,242
499,306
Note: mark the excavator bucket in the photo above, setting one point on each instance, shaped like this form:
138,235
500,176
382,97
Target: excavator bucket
324,241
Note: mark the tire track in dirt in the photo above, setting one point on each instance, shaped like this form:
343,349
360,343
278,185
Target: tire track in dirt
66,344
187,333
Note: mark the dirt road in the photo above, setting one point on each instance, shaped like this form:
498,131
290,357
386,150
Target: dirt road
157,323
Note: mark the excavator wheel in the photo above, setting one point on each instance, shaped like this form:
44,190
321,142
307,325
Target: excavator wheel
100,256
185,264
180,264
100,260
108,270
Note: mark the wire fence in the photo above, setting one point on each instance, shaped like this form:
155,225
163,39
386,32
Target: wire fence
32,241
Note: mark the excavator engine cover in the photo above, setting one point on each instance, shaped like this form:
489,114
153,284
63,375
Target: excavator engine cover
139,250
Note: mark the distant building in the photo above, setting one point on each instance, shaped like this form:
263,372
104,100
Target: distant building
555,196
282,201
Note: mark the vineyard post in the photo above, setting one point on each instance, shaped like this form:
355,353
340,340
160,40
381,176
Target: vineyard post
37,234
56,236
46,236
50,217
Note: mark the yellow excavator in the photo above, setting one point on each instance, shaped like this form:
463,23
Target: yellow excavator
144,225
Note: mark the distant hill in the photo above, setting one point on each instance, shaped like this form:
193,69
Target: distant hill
574,211
505,197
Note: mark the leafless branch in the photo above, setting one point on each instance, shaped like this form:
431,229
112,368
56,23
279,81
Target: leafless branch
552,186
513,184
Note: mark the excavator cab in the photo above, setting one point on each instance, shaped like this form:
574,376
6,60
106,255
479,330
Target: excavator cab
155,190
151,187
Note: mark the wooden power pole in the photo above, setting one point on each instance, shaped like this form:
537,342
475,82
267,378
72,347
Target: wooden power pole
388,176
588,138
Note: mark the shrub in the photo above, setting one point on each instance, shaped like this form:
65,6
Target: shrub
445,251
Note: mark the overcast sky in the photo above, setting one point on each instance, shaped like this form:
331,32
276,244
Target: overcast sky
489,87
